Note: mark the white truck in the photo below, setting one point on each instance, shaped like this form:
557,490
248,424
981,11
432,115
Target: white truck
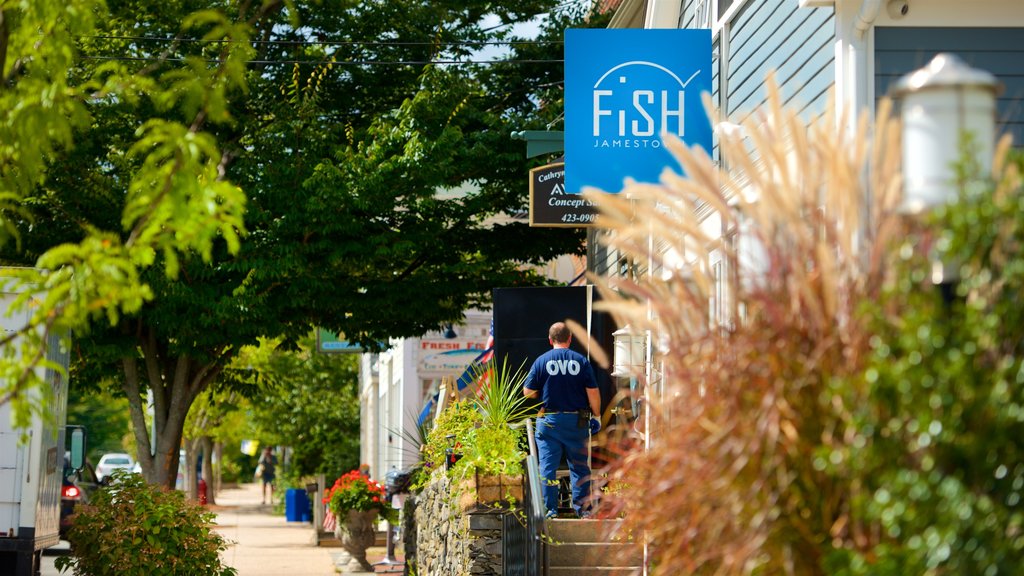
31,463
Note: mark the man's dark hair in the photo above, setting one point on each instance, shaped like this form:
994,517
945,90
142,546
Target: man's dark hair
559,333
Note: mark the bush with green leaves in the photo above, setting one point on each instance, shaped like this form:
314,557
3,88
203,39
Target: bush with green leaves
485,429
941,450
134,528
451,429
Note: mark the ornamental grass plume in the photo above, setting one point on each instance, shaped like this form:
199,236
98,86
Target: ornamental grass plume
759,267
817,405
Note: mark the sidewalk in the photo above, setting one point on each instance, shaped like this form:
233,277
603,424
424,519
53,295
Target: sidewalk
261,544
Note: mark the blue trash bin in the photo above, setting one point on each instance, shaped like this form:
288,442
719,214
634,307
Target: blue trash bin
296,505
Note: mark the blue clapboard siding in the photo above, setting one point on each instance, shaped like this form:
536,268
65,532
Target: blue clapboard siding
797,43
997,50
716,69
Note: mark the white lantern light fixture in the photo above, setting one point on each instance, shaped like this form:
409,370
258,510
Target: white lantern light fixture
940,104
630,352
752,258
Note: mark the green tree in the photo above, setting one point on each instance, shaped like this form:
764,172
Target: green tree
105,419
172,198
350,141
218,418
310,403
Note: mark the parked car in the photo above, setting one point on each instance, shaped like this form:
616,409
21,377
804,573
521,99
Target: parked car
76,489
110,462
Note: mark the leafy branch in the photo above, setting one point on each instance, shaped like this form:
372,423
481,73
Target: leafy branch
177,201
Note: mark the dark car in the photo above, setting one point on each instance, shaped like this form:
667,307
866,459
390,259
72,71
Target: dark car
76,489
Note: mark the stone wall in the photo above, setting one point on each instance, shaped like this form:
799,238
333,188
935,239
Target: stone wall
450,542
409,533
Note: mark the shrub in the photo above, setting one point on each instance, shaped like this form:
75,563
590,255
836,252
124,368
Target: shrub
492,449
483,431
134,528
452,429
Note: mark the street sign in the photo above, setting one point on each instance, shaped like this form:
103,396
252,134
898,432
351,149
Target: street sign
550,206
625,90
329,343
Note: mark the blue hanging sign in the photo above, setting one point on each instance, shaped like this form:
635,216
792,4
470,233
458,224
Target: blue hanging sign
624,88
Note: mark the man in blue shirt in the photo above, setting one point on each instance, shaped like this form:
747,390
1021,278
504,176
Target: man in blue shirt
564,380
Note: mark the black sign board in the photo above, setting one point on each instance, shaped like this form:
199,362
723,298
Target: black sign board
550,205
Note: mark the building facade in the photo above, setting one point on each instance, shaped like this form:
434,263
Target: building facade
398,383
856,47
852,50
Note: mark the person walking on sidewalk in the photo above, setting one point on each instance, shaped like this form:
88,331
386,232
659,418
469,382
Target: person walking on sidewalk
268,468
564,380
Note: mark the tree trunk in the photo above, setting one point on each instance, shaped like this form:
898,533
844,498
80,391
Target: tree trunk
207,444
4,39
191,486
218,451
175,383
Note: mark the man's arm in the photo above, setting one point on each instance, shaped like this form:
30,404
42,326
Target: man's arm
527,391
594,396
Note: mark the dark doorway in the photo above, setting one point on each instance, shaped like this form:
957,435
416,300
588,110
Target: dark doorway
522,317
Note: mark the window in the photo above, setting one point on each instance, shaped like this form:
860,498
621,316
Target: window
712,13
723,7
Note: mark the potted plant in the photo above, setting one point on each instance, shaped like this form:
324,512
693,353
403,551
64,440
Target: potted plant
490,473
484,431
356,501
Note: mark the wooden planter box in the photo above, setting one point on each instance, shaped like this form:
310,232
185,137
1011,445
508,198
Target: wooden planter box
487,491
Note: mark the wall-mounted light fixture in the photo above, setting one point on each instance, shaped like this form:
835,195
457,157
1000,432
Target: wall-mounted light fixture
941,103
944,106
629,353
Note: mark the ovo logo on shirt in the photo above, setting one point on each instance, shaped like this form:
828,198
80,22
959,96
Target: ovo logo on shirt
563,367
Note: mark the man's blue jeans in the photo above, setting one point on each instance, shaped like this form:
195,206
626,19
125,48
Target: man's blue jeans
558,435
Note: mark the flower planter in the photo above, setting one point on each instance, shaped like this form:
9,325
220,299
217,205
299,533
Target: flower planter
489,491
356,533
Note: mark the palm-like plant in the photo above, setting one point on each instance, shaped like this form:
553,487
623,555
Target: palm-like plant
499,395
494,445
